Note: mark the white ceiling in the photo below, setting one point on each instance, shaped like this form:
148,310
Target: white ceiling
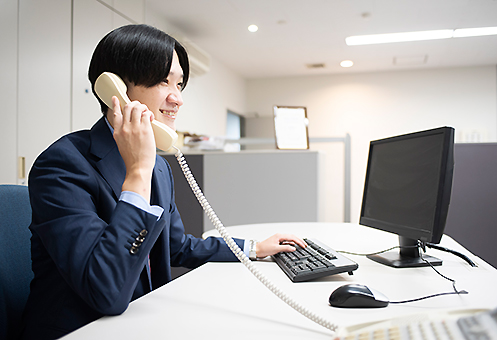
294,33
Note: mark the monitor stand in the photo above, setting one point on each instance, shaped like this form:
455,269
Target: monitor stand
408,256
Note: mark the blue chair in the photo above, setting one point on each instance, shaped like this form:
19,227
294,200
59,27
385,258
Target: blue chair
15,257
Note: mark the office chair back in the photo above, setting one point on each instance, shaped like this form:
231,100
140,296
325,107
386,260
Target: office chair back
15,257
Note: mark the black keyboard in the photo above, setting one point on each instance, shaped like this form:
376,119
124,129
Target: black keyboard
314,261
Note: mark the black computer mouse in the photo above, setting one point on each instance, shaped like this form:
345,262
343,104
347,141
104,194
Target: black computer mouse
357,296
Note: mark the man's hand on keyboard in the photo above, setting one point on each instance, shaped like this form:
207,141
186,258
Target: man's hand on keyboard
278,243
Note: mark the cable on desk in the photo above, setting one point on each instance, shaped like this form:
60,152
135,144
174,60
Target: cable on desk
429,245
375,253
458,292
445,277
464,257
239,253
429,296
422,248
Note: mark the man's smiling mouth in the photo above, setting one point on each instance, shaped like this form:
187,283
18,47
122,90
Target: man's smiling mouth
168,114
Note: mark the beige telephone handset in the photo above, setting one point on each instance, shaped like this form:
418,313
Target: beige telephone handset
109,84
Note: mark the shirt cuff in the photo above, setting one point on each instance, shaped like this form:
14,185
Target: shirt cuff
246,247
138,201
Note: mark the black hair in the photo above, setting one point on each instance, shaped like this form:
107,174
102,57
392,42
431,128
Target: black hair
139,54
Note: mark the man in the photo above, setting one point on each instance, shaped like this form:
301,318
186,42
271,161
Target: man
105,226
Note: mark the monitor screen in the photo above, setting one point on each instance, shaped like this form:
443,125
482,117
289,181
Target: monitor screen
407,190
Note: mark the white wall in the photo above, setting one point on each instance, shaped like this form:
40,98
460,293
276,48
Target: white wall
376,105
207,99
8,91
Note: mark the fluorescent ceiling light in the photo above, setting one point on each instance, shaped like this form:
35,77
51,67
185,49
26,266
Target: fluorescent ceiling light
398,37
418,36
474,32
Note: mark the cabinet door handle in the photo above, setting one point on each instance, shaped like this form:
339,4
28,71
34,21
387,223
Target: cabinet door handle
21,167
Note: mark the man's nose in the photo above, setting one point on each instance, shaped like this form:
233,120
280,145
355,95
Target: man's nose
175,98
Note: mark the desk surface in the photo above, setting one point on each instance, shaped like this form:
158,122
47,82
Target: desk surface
226,301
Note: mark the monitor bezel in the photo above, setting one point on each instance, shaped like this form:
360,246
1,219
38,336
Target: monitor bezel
435,233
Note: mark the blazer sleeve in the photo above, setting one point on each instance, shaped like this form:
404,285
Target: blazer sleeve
87,233
190,252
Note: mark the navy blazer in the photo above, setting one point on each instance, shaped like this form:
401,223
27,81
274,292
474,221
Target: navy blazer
82,235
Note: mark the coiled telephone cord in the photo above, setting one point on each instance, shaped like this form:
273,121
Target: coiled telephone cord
238,252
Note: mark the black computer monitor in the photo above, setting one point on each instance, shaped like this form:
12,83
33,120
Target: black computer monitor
407,192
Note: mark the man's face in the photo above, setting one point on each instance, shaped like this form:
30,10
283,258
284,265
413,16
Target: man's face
163,99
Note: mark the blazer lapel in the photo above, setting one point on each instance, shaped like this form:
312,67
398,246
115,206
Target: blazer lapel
108,159
161,195
161,184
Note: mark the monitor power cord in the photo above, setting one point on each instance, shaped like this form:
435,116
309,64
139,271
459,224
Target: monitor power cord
461,255
427,244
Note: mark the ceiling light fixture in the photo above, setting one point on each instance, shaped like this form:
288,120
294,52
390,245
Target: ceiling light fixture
347,63
397,37
474,32
418,36
253,28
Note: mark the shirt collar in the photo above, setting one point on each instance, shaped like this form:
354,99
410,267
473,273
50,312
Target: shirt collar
110,126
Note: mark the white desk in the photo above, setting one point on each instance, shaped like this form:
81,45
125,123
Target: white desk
225,301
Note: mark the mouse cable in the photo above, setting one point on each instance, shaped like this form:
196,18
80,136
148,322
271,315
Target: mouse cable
445,277
419,245
422,249
429,297
455,292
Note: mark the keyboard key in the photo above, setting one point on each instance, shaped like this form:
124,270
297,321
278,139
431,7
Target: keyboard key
317,260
